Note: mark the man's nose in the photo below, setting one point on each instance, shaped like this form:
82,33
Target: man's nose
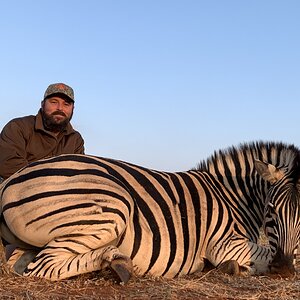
60,106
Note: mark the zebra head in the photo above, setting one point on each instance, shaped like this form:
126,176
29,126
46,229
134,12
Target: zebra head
282,214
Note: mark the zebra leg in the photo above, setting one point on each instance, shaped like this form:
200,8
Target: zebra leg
56,263
230,267
10,241
20,259
239,256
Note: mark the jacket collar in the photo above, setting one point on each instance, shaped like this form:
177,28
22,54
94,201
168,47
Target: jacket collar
39,125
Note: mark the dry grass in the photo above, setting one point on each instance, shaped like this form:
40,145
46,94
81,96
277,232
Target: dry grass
210,285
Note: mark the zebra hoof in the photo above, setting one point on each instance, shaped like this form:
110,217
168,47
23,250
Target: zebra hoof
22,263
122,268
230,267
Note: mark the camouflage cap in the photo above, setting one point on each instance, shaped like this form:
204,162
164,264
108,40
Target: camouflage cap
59,88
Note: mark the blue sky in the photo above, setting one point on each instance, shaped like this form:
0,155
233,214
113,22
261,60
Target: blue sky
158,83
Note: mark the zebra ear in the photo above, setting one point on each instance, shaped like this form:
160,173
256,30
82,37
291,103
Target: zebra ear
268,171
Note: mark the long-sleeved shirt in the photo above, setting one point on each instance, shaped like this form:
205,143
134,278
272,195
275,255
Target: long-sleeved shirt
24,140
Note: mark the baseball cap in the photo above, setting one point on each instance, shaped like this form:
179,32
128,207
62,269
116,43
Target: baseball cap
59,88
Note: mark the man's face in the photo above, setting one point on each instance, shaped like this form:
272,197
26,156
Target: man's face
56,113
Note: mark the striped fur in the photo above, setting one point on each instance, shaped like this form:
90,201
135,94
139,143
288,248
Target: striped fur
81,213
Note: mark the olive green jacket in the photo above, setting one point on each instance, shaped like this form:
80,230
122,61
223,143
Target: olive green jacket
24,140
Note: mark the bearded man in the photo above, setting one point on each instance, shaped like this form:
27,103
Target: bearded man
49,133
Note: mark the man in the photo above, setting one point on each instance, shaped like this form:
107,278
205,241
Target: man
49,133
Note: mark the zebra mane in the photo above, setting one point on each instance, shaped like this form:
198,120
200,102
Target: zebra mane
277,153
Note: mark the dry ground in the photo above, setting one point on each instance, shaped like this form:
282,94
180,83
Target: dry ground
209,285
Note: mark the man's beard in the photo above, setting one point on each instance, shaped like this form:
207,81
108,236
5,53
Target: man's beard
51,124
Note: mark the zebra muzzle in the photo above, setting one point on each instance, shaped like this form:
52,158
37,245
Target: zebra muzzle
282,264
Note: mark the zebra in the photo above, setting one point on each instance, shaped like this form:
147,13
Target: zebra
74,214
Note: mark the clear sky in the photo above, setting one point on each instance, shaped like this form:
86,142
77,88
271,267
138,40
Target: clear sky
159,83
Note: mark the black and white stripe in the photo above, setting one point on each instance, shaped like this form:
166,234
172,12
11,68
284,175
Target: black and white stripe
82,213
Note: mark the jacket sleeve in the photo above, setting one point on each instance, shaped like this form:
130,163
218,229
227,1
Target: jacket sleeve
79,144
12,149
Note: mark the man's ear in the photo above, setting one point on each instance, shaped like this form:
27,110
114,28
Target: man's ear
268,171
